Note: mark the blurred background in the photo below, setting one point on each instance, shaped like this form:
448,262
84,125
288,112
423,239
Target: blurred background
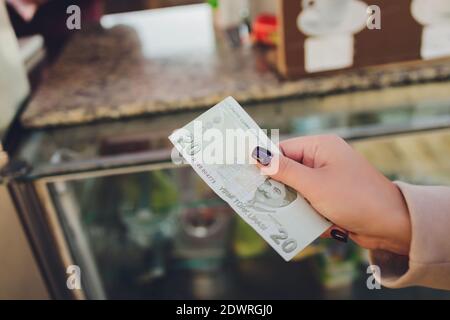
90,91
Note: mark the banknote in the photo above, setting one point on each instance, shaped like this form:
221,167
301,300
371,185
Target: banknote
218,145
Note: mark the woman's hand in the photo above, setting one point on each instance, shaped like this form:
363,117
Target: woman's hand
343,186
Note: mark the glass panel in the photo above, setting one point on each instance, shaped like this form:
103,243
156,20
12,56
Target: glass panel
165,234
419,158
359,114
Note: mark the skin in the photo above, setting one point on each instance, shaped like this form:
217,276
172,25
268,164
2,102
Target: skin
346,189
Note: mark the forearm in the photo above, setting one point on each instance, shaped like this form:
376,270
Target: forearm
428,262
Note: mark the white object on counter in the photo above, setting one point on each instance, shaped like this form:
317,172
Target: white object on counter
434,15
14,86
231,13
32,51
330,26
3,157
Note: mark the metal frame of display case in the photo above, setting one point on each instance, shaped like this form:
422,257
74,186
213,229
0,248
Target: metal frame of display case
39,215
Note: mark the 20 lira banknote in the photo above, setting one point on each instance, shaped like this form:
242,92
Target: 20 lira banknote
218,145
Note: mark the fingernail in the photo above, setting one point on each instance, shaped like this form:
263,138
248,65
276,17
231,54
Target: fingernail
262,155
339,235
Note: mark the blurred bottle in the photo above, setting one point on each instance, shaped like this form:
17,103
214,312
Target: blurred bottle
262,17
231,13
230,17
340,266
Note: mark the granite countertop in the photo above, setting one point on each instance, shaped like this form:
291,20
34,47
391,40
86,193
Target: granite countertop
171,59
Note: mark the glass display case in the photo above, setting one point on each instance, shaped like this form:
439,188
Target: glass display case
107,197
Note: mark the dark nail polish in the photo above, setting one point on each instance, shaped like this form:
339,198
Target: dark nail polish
339,235
262,155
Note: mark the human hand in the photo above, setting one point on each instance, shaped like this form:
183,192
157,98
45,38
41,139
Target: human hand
345,188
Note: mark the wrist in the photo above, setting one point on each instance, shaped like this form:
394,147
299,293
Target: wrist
398,239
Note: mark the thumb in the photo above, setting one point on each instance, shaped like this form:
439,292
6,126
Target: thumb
286,170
